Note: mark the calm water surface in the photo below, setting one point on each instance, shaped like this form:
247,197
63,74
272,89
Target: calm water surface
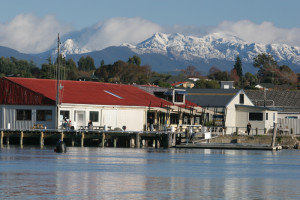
117,173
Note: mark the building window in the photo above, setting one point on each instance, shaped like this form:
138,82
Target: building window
174,118
255,116
94,116
179,98
186,119
241,98
24,115
64,114
267,116
43,115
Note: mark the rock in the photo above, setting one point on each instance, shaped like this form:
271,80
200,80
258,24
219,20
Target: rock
297,146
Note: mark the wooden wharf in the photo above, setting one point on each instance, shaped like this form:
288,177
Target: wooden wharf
133,139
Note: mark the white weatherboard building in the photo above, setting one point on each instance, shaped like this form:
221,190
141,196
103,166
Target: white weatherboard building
28,103
31,103
234,110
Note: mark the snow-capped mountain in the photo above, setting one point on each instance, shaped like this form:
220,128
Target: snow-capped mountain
167,52
213,46
70,47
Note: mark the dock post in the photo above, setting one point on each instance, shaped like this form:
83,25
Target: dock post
137,140
73,141
21,138
169,140
103,139
132,142
115,141
42,139
62,136
237,130
1,138
82,139
154,143
7,140
274,135
256,130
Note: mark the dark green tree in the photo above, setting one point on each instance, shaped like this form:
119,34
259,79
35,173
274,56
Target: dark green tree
265,64
135,60
238,66
190,71
207,84
48,70
216,74
86,64
71,70
102,63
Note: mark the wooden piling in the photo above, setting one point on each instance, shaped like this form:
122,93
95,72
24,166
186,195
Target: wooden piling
115,141
103,139
82,139
137,140
7,140
169,140
73,141
1,138
274,135
62,136
42,139
21,138
132,144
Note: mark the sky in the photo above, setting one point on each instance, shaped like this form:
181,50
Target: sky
31,26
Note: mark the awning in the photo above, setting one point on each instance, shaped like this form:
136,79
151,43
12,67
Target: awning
180,92
170,92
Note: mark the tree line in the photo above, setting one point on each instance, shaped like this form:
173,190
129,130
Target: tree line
131,72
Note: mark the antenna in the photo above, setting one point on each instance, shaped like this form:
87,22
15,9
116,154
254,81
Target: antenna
57,80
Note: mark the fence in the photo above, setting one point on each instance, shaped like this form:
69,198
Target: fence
289,125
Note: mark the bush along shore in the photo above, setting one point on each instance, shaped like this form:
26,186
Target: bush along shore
286,141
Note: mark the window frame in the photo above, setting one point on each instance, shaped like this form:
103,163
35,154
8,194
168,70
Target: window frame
45,115
23,114
252,118
90,116
242,99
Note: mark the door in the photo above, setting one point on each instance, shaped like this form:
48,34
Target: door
80,118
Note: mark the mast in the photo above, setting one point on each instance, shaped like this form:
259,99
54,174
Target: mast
57,82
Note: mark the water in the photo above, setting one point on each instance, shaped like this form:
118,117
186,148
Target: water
119,173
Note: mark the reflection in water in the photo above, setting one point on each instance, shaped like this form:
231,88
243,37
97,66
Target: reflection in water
112,173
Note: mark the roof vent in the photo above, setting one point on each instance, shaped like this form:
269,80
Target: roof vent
113,94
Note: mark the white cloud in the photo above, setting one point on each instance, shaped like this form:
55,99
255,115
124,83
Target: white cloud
264,33
30,34
116,31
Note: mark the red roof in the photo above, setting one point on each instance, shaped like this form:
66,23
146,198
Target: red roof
82,92
178,83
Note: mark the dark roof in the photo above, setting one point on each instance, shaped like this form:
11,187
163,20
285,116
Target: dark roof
211,97
286,99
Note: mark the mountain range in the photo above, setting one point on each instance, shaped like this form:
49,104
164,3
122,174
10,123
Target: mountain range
173,52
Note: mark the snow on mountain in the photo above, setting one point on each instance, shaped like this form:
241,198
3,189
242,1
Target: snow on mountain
213,46
218,47
71,47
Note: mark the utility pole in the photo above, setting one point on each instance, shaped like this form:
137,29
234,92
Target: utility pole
58,82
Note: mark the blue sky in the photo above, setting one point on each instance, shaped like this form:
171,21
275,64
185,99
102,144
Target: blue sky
275,17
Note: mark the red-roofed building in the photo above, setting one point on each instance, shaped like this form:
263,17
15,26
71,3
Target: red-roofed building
183,84
25,102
